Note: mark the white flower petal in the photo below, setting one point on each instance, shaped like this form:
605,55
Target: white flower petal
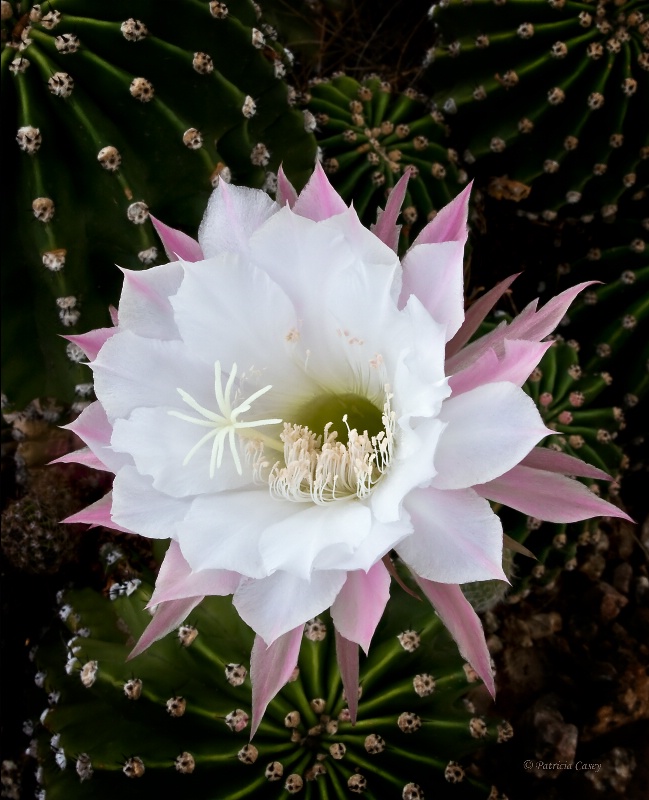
418,381
488,431
141,508
360,605
233,214
275,605
159,442
413,465
381,538
333,271
457,538
434,273
93,427
144,304
327,533
224,531
231,311
132,371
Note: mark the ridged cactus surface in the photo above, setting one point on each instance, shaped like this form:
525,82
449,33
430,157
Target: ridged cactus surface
371,135
612,318
175,720
114,111
547,98
571,401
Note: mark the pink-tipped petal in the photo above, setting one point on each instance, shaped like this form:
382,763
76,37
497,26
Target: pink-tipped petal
457,537
515,367
144,306
232,216
546,319
463,624
176,580
476,314
386,227
270,669
92,425
274,605
176,243
434,273
286,194
94,429
83,456
347,656
360,604
548,496
554,461
114,315
450,224
97,514
167,617
490,429
91,342
319,200
530,324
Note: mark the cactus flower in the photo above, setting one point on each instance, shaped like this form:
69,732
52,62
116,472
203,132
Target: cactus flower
292,405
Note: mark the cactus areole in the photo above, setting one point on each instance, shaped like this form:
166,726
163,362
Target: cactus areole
114,111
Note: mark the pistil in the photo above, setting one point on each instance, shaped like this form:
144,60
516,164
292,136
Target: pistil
224,425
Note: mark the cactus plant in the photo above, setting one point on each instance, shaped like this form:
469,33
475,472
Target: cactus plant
612,318
118,111
371,135
547,97
176,718
568,398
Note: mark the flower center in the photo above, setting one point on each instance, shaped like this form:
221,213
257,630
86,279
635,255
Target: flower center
322,468
342,412
347,459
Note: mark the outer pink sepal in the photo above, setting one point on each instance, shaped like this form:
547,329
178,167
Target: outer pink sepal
319,200
359,605
347,655
515,366
270,669
463,624
176,580
98,514
530,324
176,243
168,617
547,495
91,342
450,224
83,456
286,194
476,314
554,461
386,227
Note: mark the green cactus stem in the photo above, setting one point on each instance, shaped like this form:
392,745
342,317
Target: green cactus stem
547,97
569,398
612,318
370,135
114,112
176,719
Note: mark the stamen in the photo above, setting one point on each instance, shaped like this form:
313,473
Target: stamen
224,425
320,472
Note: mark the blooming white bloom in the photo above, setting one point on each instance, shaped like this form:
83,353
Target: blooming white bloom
290,404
